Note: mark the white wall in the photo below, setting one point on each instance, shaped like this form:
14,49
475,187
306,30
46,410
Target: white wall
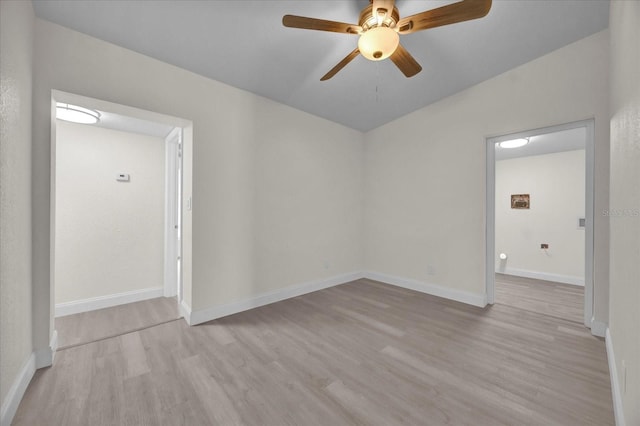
556,185
624,208
109,234
276,192
425,172
16,58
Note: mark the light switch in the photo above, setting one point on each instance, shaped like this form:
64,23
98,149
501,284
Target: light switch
122,177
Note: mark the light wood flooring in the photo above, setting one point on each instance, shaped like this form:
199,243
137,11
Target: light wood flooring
564,301
363,353
86,327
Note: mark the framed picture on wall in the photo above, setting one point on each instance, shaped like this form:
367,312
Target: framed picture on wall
519,201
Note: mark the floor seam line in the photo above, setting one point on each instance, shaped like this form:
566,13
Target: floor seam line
77,345
543,314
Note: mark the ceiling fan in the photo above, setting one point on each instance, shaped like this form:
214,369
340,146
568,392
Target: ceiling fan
380,25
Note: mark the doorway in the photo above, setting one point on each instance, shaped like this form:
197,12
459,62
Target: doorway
540,183
116,219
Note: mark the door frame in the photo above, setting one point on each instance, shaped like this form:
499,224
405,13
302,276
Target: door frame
172,216
490,214
186,188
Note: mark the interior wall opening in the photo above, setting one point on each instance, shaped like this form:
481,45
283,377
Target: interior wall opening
116,219
540,221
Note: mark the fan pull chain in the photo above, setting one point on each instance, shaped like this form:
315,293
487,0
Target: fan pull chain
377,80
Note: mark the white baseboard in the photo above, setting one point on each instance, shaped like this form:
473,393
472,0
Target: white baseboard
208,314
618,409
565,279
54,341
17,390
185,311
44,357
169,292
86,305
598,328
432,289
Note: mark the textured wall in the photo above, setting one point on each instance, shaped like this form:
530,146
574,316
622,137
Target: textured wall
556,184
109,234
16,53
425,172
624,209
276,192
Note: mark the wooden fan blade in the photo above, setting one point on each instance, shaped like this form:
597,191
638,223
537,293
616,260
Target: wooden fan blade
340,65
293,21
405,62
464,10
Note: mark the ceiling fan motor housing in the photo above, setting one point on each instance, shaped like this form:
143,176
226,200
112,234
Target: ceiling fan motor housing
378,39
368,21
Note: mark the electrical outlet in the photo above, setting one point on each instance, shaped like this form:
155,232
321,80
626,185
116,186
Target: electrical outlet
544,246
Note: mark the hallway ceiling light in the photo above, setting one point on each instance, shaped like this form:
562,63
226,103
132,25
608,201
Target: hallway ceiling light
76,114
514,143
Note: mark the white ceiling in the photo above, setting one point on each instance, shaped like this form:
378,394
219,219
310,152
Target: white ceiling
243,44
124,123
110,120
548,143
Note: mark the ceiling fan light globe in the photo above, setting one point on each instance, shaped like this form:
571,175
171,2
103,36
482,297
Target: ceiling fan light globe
378,43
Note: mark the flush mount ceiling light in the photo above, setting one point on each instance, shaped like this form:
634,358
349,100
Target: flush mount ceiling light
380,27
514,143
76,114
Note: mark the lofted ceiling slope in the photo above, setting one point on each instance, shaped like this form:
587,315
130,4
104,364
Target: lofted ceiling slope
243,43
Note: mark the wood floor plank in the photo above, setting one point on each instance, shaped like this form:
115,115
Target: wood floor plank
564,301
363,353
134,354
86,327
